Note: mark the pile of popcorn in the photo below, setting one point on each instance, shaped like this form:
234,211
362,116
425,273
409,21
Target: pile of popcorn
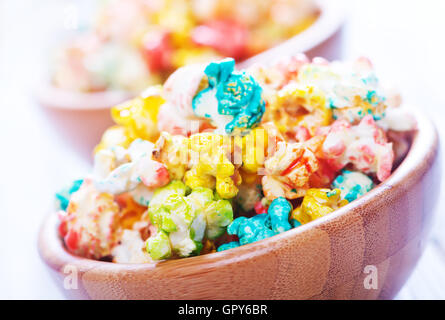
218,158
136,43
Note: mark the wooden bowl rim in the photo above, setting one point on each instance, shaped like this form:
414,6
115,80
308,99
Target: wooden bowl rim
332,15
423,149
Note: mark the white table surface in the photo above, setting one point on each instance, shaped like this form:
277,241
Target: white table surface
404,39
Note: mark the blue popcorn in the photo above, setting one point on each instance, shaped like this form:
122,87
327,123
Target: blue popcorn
260,226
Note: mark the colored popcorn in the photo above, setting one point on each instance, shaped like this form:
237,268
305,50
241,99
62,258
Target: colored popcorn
352,184
132,44
64,195
217,158
139,115
211,167
232,100
89,225
365,146
287,172
261,226
182,221
318,203
119,170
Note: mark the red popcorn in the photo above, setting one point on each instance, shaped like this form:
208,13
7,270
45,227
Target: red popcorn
260,208
157,51
89,227
225,36
291,65
72,240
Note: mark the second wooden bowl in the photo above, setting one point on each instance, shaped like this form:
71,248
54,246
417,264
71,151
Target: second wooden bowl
365,250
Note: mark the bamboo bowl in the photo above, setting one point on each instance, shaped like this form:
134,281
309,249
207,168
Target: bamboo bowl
81,118
325,259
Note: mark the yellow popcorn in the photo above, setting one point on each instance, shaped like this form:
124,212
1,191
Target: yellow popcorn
139,115
194,180
299,105
318,203
210,164
225,187
114,136
173,151
254,146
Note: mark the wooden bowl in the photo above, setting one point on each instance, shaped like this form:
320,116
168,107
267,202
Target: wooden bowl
81,118
381,235
313,40
322,39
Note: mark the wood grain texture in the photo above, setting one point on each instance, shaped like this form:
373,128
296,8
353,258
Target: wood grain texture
324,259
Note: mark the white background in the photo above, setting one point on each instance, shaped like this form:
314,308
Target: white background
403,38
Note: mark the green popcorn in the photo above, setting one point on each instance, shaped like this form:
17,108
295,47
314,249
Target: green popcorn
201,197
214,215
159,246
161,194
219,215
186,220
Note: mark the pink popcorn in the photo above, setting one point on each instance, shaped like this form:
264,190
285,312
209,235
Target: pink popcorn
290,66
176,116
365,146
181,87
153,174
90,223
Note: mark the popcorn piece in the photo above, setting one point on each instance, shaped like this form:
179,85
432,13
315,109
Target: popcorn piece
131,212
115,136
352,90
64,195
278,212
318,203
210,166
139,115
298,104
232,100
142,195
364,146
288,171
127,176
184,221
352,184
173,151
90,223
225,36
157,50
261,226
106,160
131,249
254,148
176,116
397,119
